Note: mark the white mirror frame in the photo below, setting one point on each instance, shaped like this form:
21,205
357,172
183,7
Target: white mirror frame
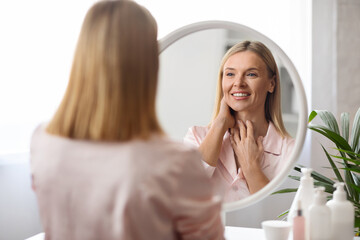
166,41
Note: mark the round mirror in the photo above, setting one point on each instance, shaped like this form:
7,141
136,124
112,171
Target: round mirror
189,61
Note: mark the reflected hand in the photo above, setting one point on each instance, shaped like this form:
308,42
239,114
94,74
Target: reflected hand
225,118
249,153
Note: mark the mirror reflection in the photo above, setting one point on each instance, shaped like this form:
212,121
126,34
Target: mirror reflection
189,71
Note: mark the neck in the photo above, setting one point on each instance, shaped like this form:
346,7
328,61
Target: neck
259,122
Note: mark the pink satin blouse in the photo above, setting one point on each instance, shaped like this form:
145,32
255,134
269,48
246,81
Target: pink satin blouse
229,181
155,189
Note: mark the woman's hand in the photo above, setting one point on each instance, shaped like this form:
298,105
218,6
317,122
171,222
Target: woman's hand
225,119
211,146
249,153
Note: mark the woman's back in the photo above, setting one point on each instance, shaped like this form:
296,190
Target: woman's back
153,189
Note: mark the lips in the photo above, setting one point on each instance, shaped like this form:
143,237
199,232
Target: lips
240,94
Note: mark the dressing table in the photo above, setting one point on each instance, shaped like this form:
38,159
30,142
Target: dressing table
231,233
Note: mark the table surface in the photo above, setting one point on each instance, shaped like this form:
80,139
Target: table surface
231,233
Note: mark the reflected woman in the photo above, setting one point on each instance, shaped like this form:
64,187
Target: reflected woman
102,168
246,144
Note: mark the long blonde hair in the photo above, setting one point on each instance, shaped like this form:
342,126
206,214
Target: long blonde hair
273,100
112,87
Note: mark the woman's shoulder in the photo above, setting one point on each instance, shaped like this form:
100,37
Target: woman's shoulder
171,148
195,135
37,134
199,130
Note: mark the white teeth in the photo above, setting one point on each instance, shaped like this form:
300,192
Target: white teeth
241,94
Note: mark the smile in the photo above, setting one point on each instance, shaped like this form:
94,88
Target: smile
240,94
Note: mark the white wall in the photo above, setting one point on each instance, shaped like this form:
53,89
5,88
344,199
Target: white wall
335,68
187,81
19,216
348,56
37,39
36,48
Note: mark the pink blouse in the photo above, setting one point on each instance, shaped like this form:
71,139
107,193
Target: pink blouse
155,189
229,181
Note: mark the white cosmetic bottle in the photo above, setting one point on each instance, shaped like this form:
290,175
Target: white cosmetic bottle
320,217
305,194
342,214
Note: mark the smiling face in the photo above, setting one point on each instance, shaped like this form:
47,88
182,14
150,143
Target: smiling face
246,82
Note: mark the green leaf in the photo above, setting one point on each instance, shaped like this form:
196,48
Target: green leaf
355,134
329,120
357,179
328,187
317,176
349,180
321,178
339,141
357,170
286,190
356,161
283,214
312,116
357,223
351,154
297,178
336,171
353,169
356,188
345,125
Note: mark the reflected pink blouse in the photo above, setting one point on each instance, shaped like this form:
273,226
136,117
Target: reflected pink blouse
155,189
228,180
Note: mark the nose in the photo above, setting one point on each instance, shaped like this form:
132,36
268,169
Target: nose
240,81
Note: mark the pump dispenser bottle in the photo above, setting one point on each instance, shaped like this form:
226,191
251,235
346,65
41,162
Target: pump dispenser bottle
320,217
342,214
305,194
299,224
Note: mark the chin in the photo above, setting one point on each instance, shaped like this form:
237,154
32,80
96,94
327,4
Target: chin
237,109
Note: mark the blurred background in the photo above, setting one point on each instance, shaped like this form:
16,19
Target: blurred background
38,38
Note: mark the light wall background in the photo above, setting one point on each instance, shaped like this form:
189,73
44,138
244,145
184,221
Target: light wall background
38,38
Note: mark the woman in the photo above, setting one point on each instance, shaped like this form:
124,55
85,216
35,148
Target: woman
246,143
102,168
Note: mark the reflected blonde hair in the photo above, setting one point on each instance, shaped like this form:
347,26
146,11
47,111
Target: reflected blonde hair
273,100
112,87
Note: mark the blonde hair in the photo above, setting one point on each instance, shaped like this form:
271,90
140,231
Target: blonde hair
112,87
273,101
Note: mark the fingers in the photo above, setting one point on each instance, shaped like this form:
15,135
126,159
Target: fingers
232,141
225,115
249,129
242,128
259,142
223,104
235,135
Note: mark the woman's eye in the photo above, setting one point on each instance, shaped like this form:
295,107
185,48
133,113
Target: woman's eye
251,74
230,74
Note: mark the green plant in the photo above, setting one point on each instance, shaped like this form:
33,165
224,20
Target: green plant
346,164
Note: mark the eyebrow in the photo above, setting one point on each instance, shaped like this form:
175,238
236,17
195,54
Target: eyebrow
252,68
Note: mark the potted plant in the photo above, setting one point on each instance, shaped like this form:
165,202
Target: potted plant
345,164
